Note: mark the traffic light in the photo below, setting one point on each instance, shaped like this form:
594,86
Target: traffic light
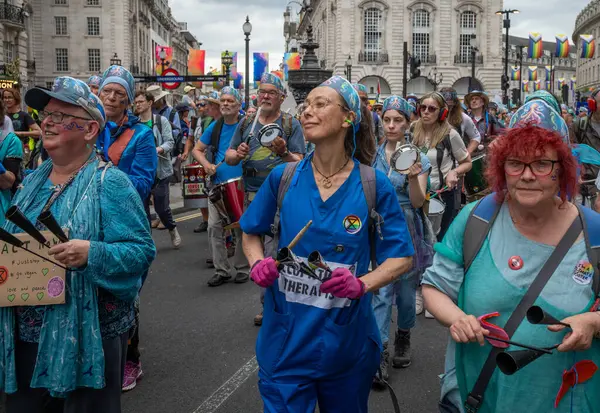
415,63
505,83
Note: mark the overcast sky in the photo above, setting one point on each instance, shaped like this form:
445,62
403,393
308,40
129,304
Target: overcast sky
218,24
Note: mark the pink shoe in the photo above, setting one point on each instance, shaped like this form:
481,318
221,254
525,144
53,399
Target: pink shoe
133,372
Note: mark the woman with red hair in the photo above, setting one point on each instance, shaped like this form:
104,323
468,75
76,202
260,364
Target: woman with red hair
533,174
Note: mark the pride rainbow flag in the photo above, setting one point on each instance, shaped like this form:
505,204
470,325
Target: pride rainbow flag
588,46
561,82
537,85
526,86
515,73
536,47
573,82
548,72
533,74
562,45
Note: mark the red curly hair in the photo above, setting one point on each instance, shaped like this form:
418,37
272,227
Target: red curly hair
528,143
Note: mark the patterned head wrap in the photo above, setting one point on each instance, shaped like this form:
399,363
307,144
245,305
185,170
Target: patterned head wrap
121,76
228,90
359,87
399,104
546,97
348,93
94,80
539,113
412,99
449,94
271,79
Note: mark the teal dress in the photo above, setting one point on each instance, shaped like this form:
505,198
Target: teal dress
10,147
101,206
491,285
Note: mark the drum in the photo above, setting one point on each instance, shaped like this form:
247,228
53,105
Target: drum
404,157
194,185
474,179
435,214
228,199
268,133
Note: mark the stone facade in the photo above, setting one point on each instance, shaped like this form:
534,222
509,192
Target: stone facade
15,43
588,70
372,33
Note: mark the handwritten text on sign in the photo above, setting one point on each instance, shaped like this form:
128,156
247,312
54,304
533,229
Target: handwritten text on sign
27,280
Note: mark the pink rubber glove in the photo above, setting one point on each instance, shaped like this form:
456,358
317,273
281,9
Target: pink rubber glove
343,284
264,272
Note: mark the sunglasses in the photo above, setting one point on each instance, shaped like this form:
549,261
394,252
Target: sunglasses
430,109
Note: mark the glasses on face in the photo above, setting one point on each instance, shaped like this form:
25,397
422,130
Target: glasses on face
270,93
318,104
57,117
202,105
540,168
430,109
140,102
117,93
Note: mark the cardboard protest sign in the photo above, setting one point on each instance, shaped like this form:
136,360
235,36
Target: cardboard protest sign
27,280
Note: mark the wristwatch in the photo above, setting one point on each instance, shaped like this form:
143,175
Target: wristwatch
284,155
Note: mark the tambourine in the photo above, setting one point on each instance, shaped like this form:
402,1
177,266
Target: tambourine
269,133
405,157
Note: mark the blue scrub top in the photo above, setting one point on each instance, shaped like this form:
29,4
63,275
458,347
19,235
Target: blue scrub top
224,172
339,232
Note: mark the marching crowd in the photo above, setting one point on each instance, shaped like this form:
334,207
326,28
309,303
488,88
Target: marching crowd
466,209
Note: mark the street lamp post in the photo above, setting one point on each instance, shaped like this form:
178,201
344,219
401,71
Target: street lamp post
435,78
227,61
506,22
115,61
349,68
520,56
247,27
474,50
162,56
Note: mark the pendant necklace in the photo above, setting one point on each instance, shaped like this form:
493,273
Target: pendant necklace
326,180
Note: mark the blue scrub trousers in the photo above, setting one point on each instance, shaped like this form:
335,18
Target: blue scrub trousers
405,290
347,394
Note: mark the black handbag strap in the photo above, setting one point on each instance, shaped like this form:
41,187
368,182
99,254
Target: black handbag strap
475,398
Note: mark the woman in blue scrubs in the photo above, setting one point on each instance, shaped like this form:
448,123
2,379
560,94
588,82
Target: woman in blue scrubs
319,341
411,191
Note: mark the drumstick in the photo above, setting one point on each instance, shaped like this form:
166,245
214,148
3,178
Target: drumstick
163,157
298,237
251,134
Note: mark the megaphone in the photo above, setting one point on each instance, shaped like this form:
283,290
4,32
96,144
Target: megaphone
509,362
15,216
10,238
537,315
49,221
315,259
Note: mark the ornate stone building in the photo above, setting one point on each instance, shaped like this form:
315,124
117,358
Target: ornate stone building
588,70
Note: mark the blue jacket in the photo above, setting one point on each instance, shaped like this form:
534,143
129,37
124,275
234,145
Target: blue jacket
139,160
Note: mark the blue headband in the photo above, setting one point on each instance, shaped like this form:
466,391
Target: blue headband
121,76
348,93
228,90
399,104
539,113
359,87
271,79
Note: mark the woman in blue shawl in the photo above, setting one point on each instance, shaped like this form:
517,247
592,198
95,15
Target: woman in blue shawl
76,351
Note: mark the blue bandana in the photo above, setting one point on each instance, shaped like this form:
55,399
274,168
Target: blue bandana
121,76
359,87
228,90
271,79
399,104
546,97
539,113
348,93
94,80
213,97
412,99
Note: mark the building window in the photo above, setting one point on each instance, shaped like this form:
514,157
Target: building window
62,60
9,52
373,34
94,60
93,26
421,34
61,25
49,85
93,2
468,27
60,2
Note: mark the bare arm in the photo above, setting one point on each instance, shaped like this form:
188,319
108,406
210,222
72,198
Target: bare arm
464,166
473,145
199,154
417,188
34,132
7,180
441,306
387,272
253,248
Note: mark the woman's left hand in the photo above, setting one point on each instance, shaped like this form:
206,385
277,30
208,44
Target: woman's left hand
452,179
584,327
343,284
415,170
279,146
73,254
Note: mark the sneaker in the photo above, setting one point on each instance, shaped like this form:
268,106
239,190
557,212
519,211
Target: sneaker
210,263
217,280
241,278
258,319
133,373
402,353
203,227
175,238
428,314
419,302
382,374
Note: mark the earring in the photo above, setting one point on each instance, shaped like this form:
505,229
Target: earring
87,145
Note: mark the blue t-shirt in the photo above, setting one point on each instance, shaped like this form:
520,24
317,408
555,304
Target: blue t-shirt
399,181
224,172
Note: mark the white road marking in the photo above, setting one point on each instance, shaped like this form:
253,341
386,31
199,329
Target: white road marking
220,395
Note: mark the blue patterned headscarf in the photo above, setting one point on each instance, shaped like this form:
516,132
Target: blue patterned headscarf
348,93
271,79
228,90
120,75
412,99
399,104
94,80
546,97
359,87
538,112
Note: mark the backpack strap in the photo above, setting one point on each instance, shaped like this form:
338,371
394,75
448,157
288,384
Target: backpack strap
245,123
287,123
368,180
215,138
158,122
284,184
115,151
172,115
591,232
444,145
478,227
